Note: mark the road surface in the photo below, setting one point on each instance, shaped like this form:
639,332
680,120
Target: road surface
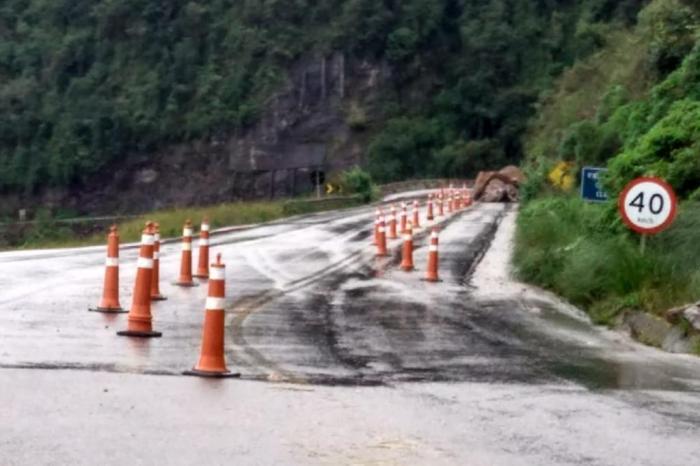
345,359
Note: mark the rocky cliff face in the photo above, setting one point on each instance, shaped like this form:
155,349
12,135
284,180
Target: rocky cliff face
313,126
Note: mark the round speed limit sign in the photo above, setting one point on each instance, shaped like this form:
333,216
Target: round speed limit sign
648,205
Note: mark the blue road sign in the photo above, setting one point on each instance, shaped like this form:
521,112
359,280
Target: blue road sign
591,188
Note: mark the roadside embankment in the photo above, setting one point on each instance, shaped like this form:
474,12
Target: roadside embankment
48,232
583,253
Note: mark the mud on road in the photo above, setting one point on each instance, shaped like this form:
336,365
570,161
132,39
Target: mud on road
369,363
298,293
309,303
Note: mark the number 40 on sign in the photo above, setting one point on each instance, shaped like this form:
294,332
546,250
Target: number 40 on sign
648,205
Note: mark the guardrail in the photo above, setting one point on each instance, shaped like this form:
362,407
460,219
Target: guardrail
393,188
298,206
14,234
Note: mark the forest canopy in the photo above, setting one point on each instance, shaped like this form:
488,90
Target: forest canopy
84,83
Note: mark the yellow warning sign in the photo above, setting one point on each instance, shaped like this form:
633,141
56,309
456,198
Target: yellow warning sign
562,176
330,189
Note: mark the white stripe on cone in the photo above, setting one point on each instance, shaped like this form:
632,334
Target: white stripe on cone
217,273
215,304
205,227
186,246
203,242
144,263
433,248
187,232
112,262
147,240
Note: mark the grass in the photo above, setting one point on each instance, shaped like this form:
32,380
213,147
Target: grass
583,253
49,234
577,94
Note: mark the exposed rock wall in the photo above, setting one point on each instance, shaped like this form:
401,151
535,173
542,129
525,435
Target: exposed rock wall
303,128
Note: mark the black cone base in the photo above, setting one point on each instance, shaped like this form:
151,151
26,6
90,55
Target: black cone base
107,310
212,375
186,284
133,333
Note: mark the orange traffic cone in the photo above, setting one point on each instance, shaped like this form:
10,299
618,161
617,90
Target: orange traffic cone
441,208
450,204
432,273
203,265
212,362
140,322
404,217
381,240
377,214
110,294
155,279
392,223
186,261
431,214
407,251
416,215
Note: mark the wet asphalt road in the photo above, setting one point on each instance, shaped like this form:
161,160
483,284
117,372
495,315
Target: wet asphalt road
371,365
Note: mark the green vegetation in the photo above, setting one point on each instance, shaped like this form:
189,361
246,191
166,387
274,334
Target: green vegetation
582,252
48,233
85,83
359,182
633,106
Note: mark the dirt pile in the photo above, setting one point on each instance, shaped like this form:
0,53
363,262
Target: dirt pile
500,186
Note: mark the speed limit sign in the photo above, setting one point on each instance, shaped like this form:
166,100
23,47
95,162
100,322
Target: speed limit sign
648,205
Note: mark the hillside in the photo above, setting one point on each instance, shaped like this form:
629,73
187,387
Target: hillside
181,102
633,107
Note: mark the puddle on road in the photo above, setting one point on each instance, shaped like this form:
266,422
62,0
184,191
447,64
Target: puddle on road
366,332
574,350
599,374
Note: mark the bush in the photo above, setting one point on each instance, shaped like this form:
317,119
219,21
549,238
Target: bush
588,143
669,150
358,181
403,149
669,26
535,184
579,251
461,159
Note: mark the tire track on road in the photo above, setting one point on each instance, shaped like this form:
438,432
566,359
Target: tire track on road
246,307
